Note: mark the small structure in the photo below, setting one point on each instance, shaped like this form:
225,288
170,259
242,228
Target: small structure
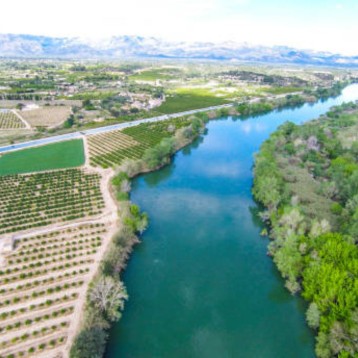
7,245
30,107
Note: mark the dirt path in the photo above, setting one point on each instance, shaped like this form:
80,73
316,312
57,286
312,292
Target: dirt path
87,153
113,226
109,217
27,125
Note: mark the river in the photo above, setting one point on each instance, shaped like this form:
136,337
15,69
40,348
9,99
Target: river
200,283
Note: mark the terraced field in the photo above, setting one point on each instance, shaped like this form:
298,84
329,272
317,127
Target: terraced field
9,120
40,285
113,148
30,201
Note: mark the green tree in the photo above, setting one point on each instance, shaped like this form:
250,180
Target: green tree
313,315
89,343
154,157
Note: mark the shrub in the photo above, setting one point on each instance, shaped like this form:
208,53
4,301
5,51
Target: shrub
89,343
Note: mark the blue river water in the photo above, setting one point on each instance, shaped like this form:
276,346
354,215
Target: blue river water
200,283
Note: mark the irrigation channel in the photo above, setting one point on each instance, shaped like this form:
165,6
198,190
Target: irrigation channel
200,283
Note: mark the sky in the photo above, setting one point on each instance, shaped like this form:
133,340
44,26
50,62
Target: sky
321,25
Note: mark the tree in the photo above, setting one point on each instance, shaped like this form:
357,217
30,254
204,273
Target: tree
319,227
70,121
267,191
136,221
322,347
108,295
289,261
90,343
142,223
125,186
313,316
354,150
156,156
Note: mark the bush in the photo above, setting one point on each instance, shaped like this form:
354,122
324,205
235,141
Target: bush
336,208
89,343
158,155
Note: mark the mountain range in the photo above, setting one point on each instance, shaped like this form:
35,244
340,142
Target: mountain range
31,46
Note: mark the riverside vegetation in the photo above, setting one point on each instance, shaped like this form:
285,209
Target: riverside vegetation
58,217
41,97
106,294
307,179
75,210
148,147
290,100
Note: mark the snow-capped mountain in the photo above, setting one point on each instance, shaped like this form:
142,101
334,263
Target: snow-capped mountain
135,46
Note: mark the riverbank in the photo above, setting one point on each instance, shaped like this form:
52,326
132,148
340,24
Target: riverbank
209,190
136,168
253,106
306,177
106,294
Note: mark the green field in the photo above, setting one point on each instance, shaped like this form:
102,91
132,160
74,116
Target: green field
281,90
61,155
186,101
156,74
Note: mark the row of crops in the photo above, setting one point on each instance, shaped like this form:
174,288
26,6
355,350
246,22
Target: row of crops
112,148
34,200
40,283
9,120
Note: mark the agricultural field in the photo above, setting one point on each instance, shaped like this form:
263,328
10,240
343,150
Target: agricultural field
12,103
48,157
36,200
57,216
164,74
187,100
9,120
75,96
109,148
42,283
47,116
113,148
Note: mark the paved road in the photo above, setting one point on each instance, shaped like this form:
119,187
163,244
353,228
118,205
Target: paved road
77,135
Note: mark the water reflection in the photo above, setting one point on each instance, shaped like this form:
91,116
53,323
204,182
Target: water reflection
200,284
163,174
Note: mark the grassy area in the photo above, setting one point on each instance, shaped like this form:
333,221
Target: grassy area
281,90
53,156
156,74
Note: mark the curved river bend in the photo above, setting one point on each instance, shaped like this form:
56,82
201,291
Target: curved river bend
200,284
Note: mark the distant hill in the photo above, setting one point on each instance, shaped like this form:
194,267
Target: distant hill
144,47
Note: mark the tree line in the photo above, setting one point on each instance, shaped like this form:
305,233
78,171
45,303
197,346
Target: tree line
308,182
